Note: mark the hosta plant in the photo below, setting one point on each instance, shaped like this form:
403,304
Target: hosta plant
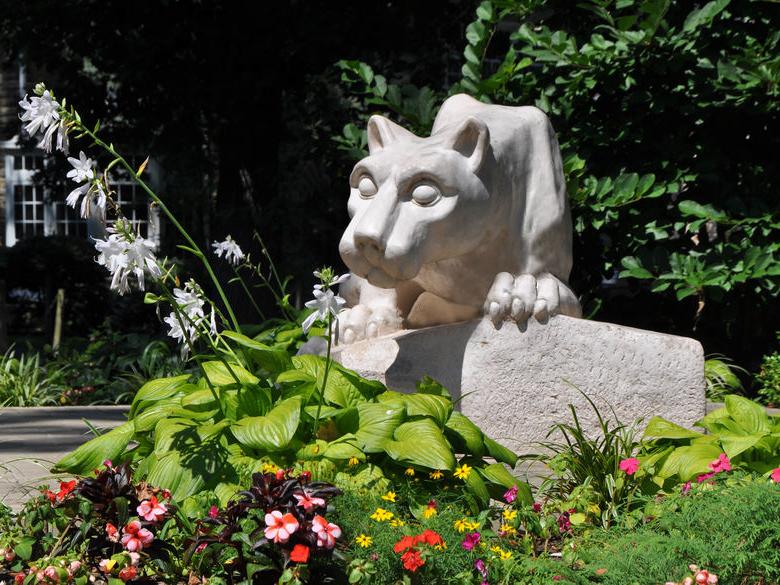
739,435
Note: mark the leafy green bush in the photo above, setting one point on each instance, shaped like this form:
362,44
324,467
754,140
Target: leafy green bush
742,431
720,378
24,382
257,404
769,379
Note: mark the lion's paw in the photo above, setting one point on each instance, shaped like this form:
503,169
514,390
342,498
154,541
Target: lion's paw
363,322
519,297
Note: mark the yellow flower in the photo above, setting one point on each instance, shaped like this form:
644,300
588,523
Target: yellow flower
442,546
510,514
389,497
353,461
462,472
429,511
505,555
397,523
460,525
496,549
409,471
364,540
381,515
472,525
436,474
508,529
269,468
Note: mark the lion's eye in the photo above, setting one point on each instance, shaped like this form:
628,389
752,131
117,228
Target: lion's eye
425,194
366,187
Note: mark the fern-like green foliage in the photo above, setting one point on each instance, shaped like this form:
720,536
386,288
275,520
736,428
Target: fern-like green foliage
768,379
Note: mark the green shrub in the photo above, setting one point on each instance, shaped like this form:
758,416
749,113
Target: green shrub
721,378
769,379
23,382
730,529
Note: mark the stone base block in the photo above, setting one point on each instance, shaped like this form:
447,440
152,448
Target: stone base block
515,383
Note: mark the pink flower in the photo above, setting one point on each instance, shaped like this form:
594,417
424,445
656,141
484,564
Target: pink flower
686,488
308,503
279,527
213,512
722,463
326,532
112,533
128,573
510,495
51,574
775,475
74,567
471,540
479,565
201,547
704,477
135,558
135,538
629,466
151,510
537,507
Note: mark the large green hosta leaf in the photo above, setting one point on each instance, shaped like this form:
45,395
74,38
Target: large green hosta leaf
343,388
751,416
272,360
438,408
421,443
272,432
91,455
689,461
225,374
464,435
158,389
377,423
659,428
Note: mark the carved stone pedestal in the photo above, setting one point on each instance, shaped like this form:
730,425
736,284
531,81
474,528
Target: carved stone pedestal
516,383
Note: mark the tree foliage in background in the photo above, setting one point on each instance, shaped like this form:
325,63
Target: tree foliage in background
666,114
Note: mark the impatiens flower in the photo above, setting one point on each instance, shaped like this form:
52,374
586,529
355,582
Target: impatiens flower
429,537
629,466
722,463
280,526
107,565
471,540
326,532
479,565
66,488
775,475
537,507
39,112
73,567
51,574
510,495
213,512
112,533
128,573
230,249
389,497
380,515
8,554
405,543
300,553
462,472
135,537
685,488
704,477
307,502
135,558
151,510
364,540
412,560
324,303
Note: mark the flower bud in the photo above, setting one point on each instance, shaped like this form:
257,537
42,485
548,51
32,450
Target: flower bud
39,88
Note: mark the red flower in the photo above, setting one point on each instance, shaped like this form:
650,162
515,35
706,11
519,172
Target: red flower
429,537
629,466
51,495
19,578
300,553
412,560
66,487
112,533
405,543
128,573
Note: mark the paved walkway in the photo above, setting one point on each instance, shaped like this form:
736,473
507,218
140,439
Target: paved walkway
33,439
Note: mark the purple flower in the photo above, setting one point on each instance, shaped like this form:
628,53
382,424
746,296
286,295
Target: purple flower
537,507
479,565
510,494
471,540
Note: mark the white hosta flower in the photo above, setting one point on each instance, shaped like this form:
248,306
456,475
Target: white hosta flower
82,168
189,302
230,249
39,112
124,254
336,280
325,301
63,143
184,335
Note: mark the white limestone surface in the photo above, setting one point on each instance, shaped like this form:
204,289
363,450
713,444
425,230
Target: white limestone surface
515,382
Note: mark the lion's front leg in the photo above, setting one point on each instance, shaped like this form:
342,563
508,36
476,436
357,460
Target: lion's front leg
373,312
519,297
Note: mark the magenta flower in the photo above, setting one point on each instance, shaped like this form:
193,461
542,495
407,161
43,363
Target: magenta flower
686,488
629,466
510,495
537,507
213,512
479,565
307,502
471,540
722,463
704,477
152,510
775,475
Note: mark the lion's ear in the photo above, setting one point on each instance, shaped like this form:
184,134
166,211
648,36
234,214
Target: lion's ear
382,132
472,140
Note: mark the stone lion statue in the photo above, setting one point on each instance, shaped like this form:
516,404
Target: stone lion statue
473,219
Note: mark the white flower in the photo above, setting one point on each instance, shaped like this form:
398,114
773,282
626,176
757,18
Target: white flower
63,143
40,112
189,302
82,168
230,248
336,281
324,302
94,198
123,254
45,142
182,335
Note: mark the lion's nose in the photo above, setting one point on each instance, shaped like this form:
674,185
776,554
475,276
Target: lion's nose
370,245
